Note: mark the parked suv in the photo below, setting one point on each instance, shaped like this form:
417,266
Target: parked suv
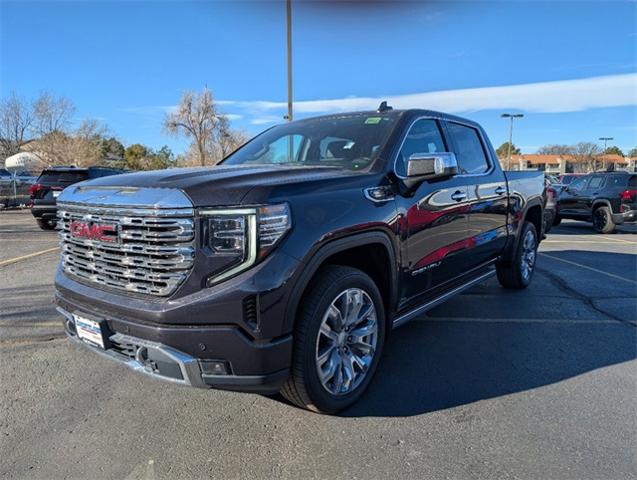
285,267
50,184
606,199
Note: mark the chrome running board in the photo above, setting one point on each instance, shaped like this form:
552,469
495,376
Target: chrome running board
405,317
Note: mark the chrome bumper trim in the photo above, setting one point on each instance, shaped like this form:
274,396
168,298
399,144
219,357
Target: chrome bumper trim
189,366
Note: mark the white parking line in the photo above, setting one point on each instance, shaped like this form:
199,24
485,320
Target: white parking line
26,257
619,240
589,268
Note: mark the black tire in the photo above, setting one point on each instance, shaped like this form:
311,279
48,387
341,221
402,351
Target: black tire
557,220
512,274
603,220
304,388
45,224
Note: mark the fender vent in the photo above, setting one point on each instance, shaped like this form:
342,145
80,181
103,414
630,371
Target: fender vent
251,312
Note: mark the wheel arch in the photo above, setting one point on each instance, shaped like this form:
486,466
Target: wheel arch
350,251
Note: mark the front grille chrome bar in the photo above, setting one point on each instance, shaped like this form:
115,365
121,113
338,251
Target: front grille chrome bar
150,251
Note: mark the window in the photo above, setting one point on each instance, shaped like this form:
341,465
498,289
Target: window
423,137
345,141
616,181
578,183
596,182
469,150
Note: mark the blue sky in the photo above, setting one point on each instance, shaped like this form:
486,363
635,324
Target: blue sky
126,62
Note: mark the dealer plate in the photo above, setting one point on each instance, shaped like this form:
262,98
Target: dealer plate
89,331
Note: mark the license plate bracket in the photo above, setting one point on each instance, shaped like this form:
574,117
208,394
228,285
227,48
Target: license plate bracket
90,331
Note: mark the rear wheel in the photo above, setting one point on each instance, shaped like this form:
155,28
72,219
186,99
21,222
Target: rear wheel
45,224
603,220
518,273
338,341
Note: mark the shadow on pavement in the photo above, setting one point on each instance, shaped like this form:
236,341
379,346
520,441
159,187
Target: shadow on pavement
429,366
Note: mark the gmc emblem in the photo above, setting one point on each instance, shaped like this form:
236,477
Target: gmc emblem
94,231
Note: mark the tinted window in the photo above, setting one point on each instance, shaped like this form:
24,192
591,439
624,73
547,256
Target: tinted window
53,177
578,183
469,150
596,182
423,137
616,181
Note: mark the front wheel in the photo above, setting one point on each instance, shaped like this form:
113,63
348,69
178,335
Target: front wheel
603,220
517,274
338,340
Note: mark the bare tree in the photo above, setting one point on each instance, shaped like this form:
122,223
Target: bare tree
198,118
16,119
52,114
555,150
586,156
81,147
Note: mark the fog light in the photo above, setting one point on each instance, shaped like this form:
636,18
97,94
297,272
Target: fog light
213,367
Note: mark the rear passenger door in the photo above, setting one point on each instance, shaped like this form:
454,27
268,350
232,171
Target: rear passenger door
486,192
434,229
594,186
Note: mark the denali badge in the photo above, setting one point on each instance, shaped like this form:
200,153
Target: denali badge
94,231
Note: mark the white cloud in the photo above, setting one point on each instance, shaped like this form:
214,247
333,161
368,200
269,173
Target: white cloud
553,97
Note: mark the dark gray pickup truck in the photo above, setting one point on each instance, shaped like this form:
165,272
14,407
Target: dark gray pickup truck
285,267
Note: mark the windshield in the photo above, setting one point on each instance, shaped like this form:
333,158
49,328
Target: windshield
349,141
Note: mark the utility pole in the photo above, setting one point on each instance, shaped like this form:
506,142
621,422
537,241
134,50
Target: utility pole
605,139
511,116
288,117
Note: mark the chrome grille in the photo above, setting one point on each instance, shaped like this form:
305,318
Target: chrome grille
151,252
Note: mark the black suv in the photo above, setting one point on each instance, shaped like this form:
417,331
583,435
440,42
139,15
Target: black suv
50,184
285,267
607,199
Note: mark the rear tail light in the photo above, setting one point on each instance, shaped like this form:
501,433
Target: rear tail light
628,195
35,188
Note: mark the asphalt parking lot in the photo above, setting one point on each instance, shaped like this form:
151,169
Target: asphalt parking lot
494,384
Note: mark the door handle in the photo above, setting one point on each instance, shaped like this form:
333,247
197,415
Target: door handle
500,190
458,196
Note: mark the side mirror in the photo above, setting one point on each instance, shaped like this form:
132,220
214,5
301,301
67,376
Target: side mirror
426,166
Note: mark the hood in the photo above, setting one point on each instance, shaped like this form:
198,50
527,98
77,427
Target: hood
219,185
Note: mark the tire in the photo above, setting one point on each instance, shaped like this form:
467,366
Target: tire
45,224
603,220
518,273
317,335
557,220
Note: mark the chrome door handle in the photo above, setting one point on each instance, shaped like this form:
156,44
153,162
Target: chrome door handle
500,190
458,196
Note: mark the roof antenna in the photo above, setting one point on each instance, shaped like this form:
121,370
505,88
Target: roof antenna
383,107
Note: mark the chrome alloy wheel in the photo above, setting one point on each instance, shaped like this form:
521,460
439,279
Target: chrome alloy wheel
346,341
527,259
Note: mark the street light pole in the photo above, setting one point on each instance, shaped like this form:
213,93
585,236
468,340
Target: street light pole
605,139
510,116
289,34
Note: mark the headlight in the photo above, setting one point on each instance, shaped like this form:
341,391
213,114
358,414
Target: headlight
241,236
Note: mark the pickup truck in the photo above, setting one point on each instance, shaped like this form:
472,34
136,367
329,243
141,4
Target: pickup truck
286,267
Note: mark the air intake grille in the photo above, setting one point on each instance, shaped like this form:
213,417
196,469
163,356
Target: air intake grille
136,250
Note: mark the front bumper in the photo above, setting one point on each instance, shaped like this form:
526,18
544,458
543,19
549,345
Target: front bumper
143,351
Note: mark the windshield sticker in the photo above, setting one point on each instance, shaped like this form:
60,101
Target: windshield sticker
372,120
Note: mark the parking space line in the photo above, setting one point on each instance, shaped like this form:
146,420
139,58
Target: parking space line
26,257
612,275
619,240
576,241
